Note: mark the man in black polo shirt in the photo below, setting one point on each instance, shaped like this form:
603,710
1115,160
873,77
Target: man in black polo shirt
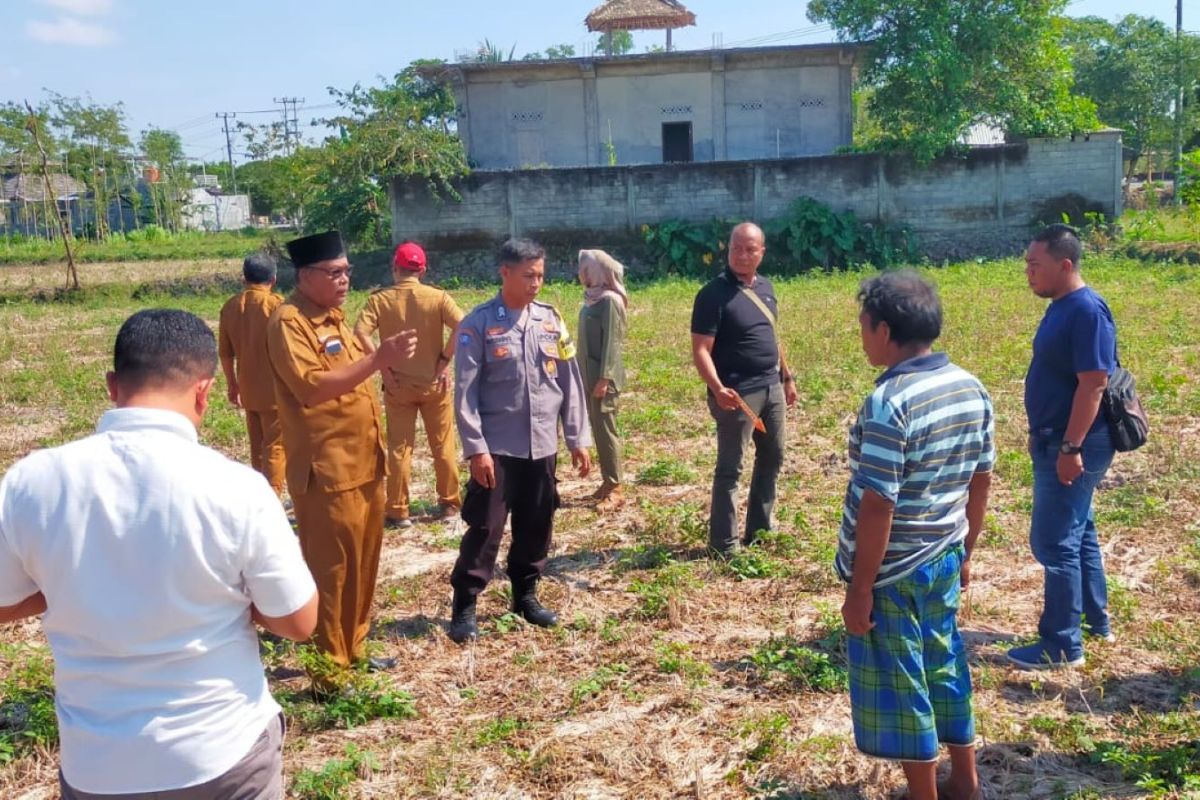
736,351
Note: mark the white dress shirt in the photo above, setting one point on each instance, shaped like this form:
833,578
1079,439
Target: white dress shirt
150,549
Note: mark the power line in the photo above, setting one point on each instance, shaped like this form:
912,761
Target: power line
780,36
225,116
276,110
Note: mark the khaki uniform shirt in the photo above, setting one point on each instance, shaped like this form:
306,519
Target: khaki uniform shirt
242,333
334,445
515,381
412,304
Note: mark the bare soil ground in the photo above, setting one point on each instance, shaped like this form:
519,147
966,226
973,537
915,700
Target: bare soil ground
654,685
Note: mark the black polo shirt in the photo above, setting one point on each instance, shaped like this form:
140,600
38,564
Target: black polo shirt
744,348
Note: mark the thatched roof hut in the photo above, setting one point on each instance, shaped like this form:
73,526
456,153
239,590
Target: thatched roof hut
640,15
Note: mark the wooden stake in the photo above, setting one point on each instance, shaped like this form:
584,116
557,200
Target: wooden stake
31,125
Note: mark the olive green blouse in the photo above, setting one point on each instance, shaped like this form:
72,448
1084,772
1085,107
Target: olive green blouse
601,341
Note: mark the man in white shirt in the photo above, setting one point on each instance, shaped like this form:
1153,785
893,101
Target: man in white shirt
151,557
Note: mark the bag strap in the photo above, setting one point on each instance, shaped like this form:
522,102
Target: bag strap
754,298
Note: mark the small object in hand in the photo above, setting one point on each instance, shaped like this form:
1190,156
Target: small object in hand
758,423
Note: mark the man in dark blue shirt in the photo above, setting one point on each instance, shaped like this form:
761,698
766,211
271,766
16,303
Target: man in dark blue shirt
1074,351
735,347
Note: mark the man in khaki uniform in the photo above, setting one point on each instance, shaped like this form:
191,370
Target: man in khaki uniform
243,350
335,459
421,384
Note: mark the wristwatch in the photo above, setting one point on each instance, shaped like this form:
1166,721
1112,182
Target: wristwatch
1068,449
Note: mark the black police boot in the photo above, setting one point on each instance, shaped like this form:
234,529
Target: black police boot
462,622
526,604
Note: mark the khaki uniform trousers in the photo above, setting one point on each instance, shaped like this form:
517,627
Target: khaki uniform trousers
341,534
437,413
266,446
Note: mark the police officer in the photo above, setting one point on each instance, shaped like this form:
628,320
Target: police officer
515,378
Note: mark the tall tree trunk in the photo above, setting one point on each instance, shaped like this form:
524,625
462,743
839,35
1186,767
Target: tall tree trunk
63,223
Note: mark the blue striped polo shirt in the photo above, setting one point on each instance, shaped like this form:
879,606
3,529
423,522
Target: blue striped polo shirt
919,439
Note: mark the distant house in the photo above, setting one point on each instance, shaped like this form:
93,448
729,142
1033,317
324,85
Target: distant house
983,133
25,209
206,209
653,108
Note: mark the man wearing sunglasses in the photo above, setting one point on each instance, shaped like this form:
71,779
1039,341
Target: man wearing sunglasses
329,413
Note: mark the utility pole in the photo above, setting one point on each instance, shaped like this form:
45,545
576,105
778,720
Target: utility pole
225,115
291,125
1178,100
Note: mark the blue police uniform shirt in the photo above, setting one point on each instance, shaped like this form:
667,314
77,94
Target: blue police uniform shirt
1077,334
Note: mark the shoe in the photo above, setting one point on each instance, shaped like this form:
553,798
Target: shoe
446,513
1107,636
525,603
377,664
463,625
717,554
397,523
1037,656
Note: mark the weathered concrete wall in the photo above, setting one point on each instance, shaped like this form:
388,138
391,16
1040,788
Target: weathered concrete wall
982,204
741,104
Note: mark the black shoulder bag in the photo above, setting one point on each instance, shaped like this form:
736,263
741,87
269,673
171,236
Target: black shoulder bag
1127,421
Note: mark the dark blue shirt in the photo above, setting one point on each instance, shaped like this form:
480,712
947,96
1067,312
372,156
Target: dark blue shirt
1077,334
744,352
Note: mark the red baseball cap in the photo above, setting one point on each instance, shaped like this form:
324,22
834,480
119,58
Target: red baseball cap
409,256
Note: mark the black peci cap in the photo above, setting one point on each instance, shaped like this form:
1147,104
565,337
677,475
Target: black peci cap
318,247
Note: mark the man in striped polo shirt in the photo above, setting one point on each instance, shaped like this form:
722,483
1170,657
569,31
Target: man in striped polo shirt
921,454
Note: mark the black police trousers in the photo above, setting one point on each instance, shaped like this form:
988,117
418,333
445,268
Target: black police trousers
527,489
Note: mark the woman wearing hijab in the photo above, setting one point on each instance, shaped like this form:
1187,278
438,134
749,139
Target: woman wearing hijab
601,340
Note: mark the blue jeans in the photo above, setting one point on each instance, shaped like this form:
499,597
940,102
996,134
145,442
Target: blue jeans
1063,538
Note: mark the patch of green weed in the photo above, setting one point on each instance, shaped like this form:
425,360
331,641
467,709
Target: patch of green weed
804,667
27,719
333,781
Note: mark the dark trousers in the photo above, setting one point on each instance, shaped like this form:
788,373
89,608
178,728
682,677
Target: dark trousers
258,776
527,489
734,430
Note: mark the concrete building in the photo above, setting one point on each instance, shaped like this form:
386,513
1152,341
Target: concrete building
209,210
654,108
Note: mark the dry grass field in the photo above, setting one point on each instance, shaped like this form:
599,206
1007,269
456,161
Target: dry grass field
674,676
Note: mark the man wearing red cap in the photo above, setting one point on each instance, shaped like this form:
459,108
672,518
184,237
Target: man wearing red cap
420,384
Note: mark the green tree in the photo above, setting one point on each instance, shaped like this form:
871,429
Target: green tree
561,51
1128,69
16,143
279,178
96,151
615,43
164,150
488,53
19,154
392,130
935,67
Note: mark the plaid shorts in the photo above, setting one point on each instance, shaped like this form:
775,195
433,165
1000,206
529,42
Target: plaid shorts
909,684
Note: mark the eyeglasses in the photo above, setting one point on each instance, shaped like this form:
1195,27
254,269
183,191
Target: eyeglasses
334,274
